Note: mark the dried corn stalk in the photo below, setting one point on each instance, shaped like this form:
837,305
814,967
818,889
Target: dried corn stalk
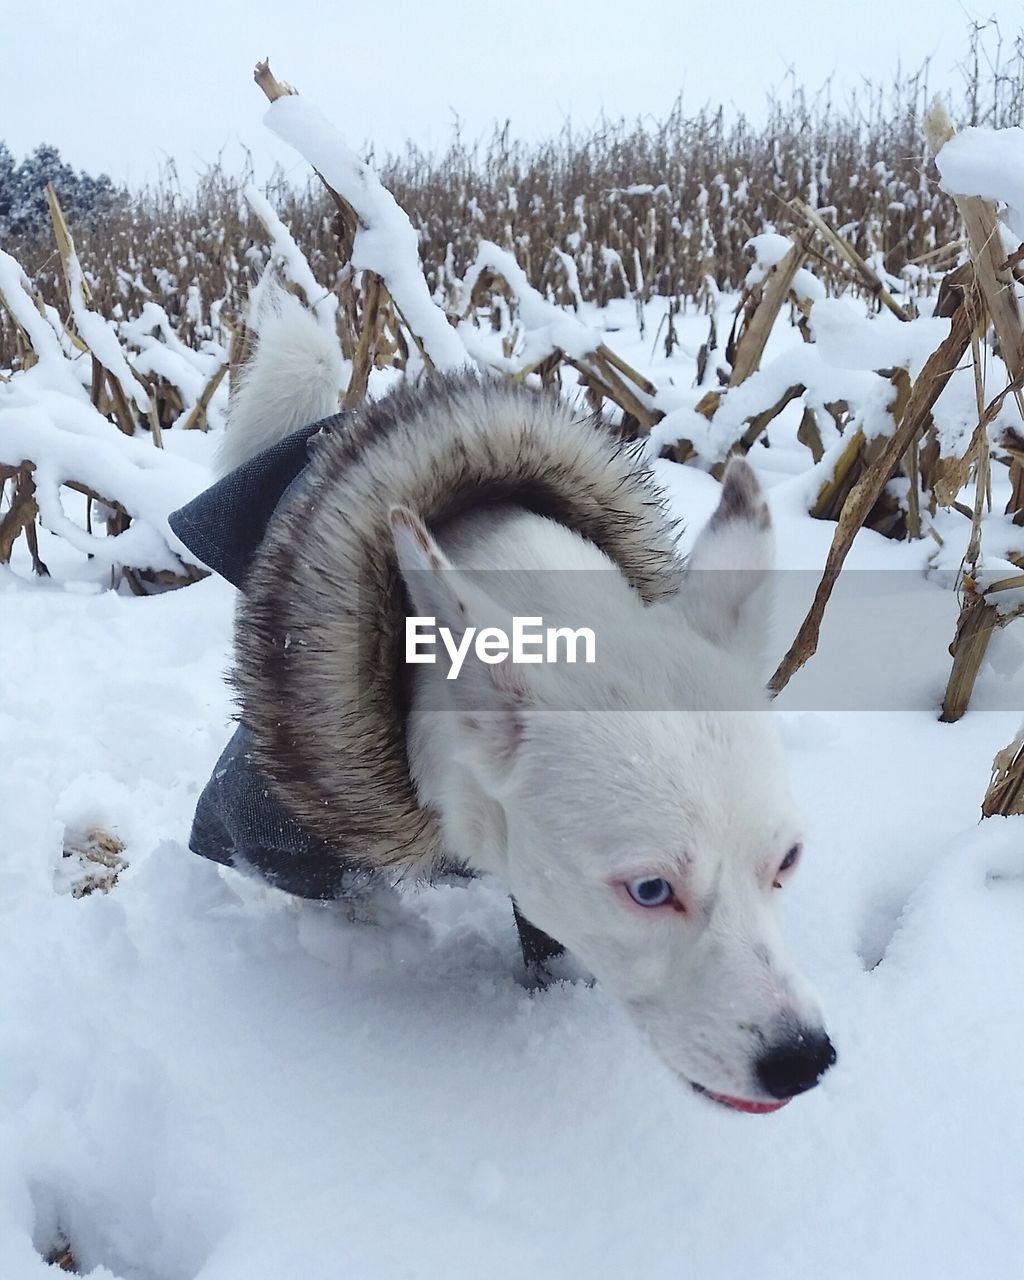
866,491
979,617
126,396
96,859
761,310
1005,793
384,244
995,281
846,253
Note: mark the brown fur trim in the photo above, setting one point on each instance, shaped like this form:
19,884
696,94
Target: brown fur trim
319,630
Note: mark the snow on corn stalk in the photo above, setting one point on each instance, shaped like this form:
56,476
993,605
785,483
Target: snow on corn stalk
33,322
889,412
56,444
291,263
98,335
982,169
552,334
385,243
888,409
50,443
385,248
183,381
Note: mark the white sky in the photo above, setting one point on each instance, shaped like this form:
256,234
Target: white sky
118,85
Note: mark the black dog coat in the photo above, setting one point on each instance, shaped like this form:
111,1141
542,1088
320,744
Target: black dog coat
238,821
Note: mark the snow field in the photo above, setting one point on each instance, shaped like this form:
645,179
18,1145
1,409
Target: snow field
204,1078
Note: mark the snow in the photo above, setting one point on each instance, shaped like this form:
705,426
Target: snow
202,1079
842,363
572,276
987,163
869,395
100,337
848,339
69,440
385,240
548,327
161,353
284,251
48,420
16,292
768,250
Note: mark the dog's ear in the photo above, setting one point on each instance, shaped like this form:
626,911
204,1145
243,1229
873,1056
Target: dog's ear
488,697
727,590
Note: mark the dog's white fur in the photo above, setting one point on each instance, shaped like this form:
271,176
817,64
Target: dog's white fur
672,766
564,806
297,386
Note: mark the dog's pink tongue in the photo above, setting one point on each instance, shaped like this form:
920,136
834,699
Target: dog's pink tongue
751,1108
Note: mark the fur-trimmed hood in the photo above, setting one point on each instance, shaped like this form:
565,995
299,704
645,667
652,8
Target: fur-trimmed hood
320,624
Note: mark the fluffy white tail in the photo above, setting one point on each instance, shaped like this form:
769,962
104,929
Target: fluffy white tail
291,380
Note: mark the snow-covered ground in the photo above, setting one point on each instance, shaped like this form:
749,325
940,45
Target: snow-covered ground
202,1078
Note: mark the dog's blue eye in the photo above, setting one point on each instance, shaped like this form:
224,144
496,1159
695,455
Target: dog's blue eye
790,858
650,891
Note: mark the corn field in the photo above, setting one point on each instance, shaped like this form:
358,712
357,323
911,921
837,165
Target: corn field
628,209
519,241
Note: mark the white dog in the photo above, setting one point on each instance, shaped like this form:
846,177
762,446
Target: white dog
637,811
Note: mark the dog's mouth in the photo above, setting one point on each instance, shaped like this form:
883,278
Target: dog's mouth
739,1104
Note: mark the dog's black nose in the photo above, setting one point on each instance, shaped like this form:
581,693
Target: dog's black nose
795,1064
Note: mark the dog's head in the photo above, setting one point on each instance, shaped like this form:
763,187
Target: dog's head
650,831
